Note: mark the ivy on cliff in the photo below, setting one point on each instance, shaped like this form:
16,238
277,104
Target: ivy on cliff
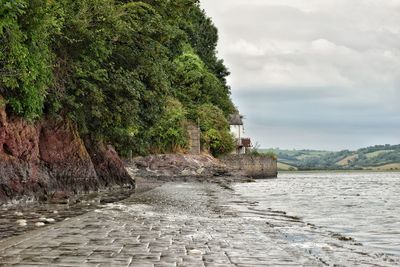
128,72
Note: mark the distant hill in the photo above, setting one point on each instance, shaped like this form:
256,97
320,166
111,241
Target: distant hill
379,157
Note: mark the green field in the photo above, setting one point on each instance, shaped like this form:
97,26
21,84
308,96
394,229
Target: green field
387,167
377,153
377,158
286,167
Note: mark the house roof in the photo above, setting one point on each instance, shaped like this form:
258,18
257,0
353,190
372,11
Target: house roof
236,119
246,142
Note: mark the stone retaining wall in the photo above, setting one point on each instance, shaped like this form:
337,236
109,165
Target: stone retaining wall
194,139
257,167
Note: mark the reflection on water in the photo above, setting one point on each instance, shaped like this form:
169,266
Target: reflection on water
341,218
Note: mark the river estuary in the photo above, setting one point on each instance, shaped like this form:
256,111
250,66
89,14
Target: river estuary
342,218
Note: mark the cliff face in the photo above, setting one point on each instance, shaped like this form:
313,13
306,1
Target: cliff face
48,159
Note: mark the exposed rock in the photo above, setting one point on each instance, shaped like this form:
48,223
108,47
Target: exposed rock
22,222
200,171
65,158
19,157
48,160
180,165
187,172
108,164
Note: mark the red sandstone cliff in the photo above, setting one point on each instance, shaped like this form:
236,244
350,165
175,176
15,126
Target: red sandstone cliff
49,158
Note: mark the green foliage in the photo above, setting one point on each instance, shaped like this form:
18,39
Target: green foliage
270,154
195,85
116,79
215,130
364,158
169,133
256,151
124,71
203,37
25,56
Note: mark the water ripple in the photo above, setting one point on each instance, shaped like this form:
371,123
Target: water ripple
341,218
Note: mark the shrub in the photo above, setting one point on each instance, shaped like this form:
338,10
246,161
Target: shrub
215,134
25,58
169,133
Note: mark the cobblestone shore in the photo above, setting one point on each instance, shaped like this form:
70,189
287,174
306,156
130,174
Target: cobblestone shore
176,224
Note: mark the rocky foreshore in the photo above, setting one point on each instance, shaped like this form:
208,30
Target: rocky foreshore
19,217
178,165
39,179
186,168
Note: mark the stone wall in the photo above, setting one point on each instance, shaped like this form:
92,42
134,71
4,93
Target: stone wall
257,167
194,139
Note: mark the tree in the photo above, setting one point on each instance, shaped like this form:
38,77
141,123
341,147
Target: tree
195,85
126,72
169,134
215,134
26,28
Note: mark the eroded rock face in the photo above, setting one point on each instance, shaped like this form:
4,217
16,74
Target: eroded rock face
48,159
108,164
64,157
19,157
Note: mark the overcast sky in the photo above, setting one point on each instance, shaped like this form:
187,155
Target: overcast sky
318,74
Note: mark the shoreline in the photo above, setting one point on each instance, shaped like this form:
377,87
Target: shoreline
177,223
22,217
18,213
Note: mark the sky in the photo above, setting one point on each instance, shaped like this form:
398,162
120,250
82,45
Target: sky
315,74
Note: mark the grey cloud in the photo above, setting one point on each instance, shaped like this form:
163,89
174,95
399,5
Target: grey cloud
296,118
314,67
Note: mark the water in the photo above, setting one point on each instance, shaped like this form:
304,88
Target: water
340,218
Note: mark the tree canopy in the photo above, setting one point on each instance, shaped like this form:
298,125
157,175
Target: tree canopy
131,73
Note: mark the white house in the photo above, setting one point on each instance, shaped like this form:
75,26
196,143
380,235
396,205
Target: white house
237,130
